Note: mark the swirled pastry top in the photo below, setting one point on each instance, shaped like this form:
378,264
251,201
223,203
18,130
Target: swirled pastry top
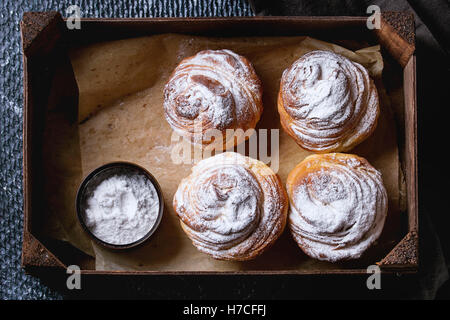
338,205
327,102
215,89
232,207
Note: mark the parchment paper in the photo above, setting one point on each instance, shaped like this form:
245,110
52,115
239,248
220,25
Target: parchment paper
121,118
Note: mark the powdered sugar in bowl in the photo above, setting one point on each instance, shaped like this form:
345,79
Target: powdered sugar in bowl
120,205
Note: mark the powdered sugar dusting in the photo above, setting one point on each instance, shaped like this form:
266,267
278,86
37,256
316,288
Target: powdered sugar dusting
215,89
332,101
338,209
228,209
122,209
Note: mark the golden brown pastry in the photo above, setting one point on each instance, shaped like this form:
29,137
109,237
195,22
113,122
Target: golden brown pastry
338,205
232,207
215,89
327,103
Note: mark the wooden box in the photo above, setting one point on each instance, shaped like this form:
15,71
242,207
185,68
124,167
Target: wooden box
46,38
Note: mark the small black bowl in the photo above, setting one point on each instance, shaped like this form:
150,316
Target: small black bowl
95,178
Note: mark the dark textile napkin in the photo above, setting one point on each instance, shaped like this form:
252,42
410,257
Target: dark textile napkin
432,52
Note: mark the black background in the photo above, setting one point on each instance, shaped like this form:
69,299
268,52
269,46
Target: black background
433,43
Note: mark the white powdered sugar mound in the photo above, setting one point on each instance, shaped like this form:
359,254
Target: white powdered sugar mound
122,209
230,200
214,89
337,212
331,100
227,209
